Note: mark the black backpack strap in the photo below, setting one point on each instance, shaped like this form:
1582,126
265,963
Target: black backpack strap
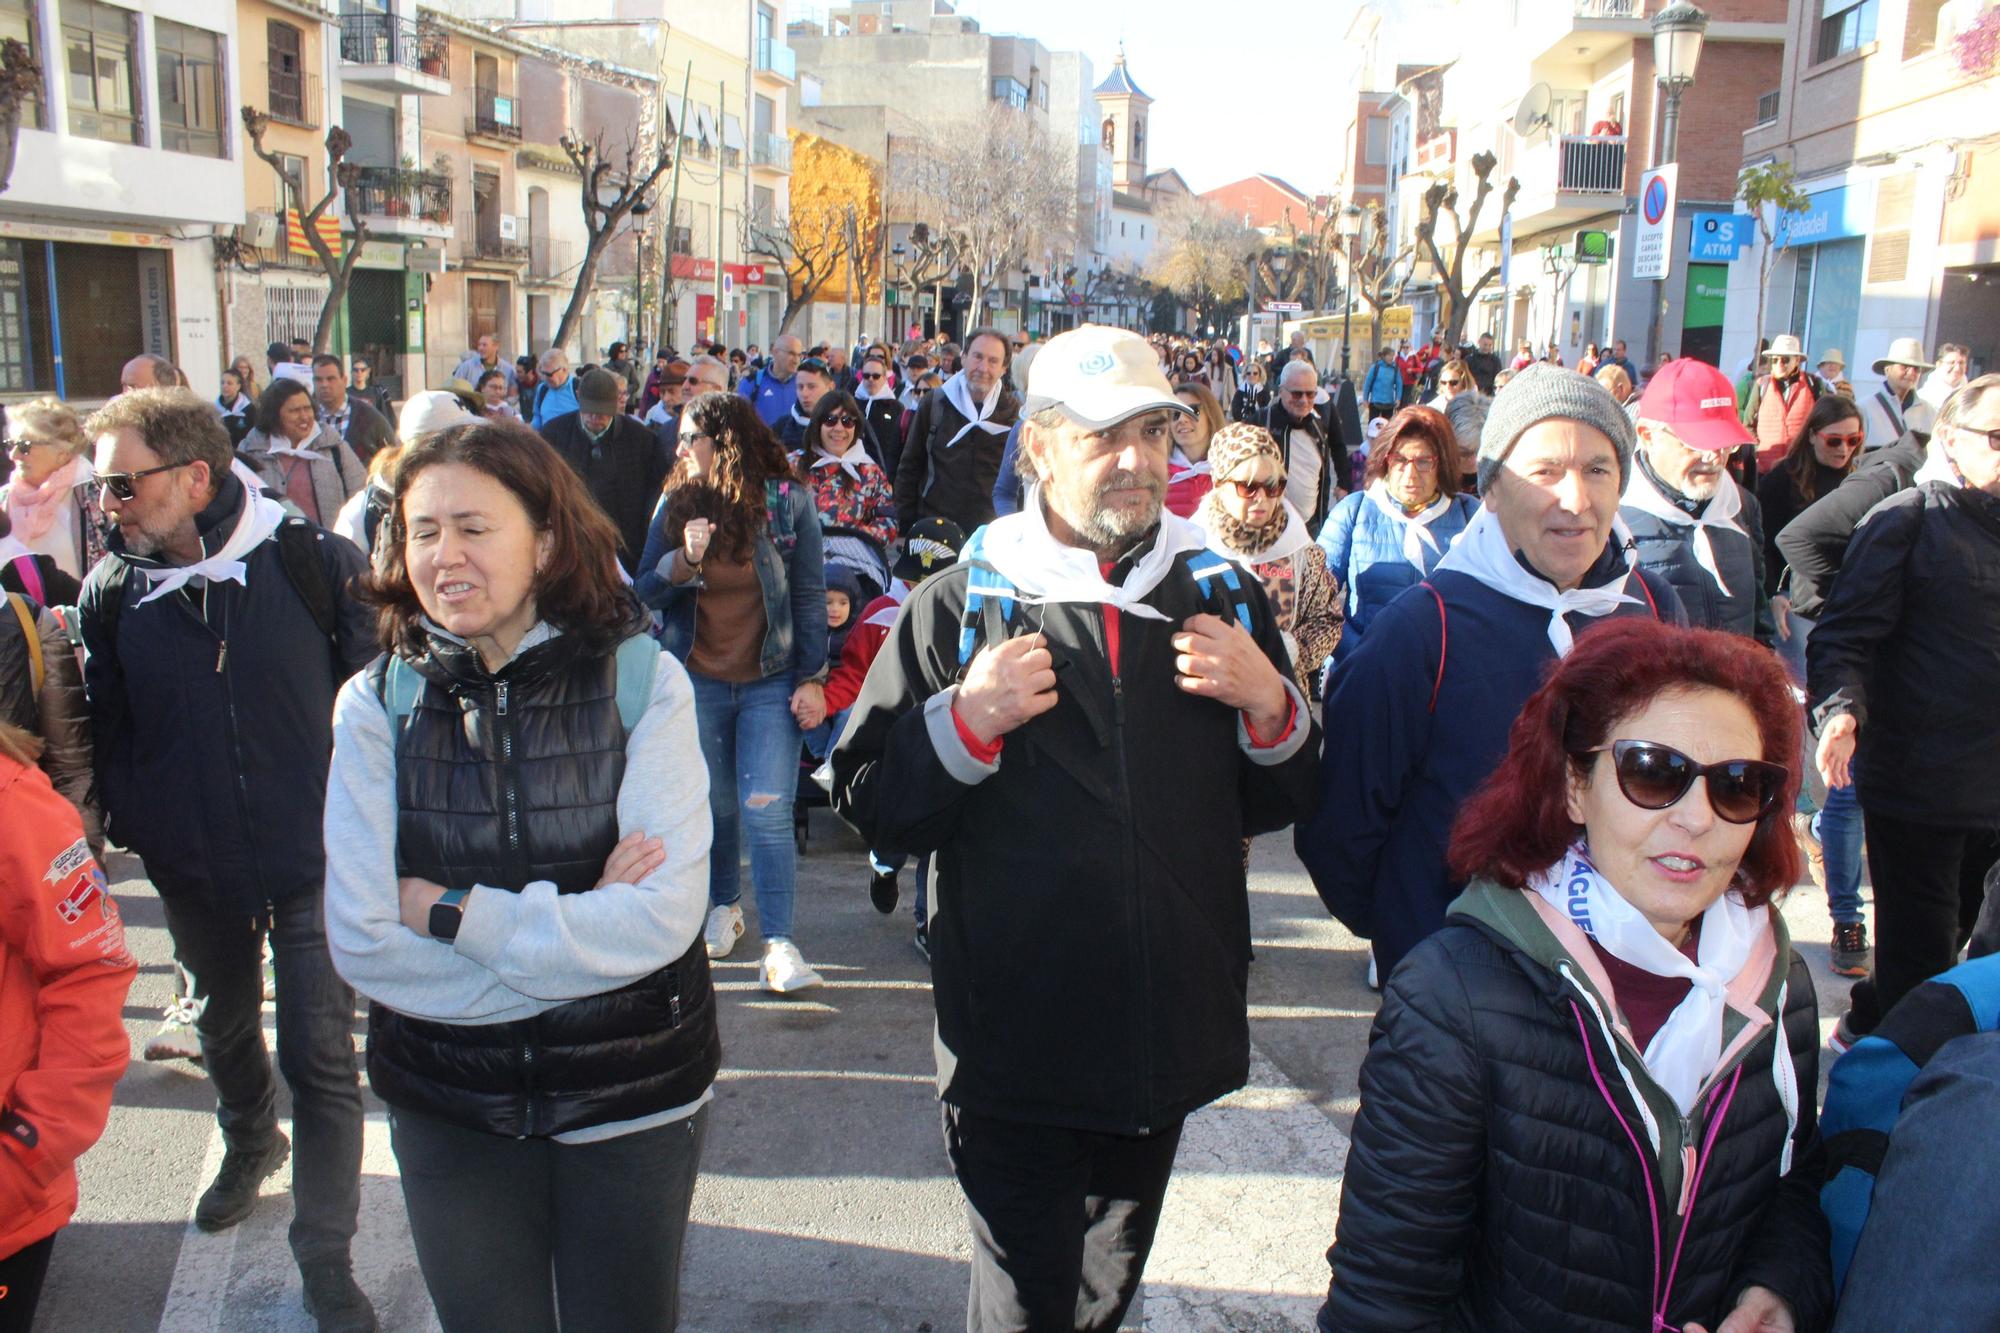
111,603
298,547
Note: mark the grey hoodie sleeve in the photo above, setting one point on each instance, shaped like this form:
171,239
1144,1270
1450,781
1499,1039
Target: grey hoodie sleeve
517,953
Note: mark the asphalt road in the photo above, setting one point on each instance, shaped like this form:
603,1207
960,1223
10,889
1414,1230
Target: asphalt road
825,1202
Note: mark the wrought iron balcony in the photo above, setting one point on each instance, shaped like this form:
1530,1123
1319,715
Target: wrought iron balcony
396,192
395,54
495,117
771,150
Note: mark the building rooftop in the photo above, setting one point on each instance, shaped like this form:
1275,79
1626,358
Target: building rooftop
1119,82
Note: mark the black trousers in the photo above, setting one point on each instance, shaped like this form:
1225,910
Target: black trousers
224,957
531,1235
1062,1220
1929,883
21,1275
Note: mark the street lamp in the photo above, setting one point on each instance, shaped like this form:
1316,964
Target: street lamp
1677,36
1348,228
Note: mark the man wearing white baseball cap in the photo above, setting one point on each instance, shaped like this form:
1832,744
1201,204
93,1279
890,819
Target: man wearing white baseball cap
1694,525
1894,408
1082,720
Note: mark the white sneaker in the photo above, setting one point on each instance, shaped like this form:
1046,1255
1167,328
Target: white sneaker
785,968
1374,976
823,776
724,928
176,1038
270,971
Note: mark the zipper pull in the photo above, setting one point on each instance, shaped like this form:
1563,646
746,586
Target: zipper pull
500,698
221,656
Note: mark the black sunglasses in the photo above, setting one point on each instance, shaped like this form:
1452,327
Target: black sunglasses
121,484
871,375
1655,776
20,445
840,419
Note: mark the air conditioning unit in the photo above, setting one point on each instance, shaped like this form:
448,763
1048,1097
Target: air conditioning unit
510,227
259,231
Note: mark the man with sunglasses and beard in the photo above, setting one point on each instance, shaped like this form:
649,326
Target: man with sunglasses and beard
1310,439
216,632
1418,715
1087,672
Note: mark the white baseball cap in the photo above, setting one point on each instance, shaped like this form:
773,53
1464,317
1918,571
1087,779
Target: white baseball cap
1099,376
428,412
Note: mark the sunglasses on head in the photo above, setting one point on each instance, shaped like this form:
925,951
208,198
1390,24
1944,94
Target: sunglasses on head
840,419
814,363
124,484
1655,777
1250,490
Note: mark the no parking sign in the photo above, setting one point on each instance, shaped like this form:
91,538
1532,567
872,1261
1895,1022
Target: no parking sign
1650,254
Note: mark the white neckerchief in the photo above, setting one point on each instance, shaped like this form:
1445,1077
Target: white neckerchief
281,447
958,392
1042,569
1416,527
1185,467
1686,1048
846,462
1641,494
898,592
255,522
1482,552
888,394
800,419
1291,539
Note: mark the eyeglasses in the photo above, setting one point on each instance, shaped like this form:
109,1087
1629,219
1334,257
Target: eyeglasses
840,419
1656,777
1302,393
1422,463
1992,436
1842,441
1452,383
1249,490
123,484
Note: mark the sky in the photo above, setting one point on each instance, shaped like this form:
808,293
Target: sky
1237,87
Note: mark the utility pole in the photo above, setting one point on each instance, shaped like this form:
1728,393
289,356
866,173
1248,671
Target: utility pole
721,175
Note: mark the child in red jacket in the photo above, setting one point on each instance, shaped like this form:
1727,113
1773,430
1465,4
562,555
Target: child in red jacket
64,972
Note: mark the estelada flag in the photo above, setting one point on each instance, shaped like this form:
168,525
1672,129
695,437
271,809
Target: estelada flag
295,232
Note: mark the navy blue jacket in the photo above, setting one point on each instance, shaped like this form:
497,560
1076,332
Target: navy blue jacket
1397,768
1667,549
217,778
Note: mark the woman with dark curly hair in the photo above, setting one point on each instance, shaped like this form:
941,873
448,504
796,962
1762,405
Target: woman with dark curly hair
849,488
517,842
1588,1101
734,561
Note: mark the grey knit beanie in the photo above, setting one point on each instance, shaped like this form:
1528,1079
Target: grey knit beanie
1540,393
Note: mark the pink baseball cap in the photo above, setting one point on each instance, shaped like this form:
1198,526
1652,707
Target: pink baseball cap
1698,403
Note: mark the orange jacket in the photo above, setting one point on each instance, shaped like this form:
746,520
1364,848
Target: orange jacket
64,971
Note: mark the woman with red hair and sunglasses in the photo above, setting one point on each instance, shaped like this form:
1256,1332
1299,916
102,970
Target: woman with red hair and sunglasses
1588,1101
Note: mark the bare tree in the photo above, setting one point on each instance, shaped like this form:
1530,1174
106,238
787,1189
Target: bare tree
1441,201
20,79
340,175
936,257
601,215
1378,277
1202,256
810,244
1001,185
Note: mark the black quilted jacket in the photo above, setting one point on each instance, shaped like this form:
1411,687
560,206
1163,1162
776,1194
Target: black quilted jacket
1492,1185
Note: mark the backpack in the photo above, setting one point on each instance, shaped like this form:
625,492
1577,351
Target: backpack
399,686
24,612
298,548
1865,1089
991,603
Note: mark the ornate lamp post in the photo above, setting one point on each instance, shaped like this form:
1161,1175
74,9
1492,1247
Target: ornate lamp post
1348,228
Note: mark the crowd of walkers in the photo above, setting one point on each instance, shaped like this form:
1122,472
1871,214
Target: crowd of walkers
473,704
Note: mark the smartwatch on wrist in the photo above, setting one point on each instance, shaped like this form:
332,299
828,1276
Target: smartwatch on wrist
446,913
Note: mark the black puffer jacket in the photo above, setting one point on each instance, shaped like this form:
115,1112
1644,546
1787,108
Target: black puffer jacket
58,714
1491,1185
503,779
1668,549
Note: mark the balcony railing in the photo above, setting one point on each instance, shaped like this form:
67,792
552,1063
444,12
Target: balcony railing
396,192
479,235
294,99
774,57
385,39
1767,108
1591,164
495,116
549,259
771,150
1610,9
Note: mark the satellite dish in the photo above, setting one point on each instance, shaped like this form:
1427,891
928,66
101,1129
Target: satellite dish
1532,116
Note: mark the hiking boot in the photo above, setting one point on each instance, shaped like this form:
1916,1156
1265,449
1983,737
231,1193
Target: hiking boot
724,928
334,1300
1802,829
785,968
883,891
1851,955
234,1194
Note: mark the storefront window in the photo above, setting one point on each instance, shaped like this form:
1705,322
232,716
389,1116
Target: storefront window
191,115
103,81
1826,293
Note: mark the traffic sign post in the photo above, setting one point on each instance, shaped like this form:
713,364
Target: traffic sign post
1652,255
1282,307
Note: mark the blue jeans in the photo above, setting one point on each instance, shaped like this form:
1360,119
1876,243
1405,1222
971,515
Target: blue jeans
751,743
1838,824
820,740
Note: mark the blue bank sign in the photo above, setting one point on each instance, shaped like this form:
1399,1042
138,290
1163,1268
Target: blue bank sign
1831,215
1720,237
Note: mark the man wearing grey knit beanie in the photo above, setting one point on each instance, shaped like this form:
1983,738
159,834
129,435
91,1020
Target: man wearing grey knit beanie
1422,708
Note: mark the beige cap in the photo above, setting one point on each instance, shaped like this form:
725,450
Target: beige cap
1099,376
1833,354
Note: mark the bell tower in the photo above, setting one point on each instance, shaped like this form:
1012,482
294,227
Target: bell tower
1125,109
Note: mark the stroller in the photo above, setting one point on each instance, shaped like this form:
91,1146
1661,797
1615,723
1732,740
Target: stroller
868,560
